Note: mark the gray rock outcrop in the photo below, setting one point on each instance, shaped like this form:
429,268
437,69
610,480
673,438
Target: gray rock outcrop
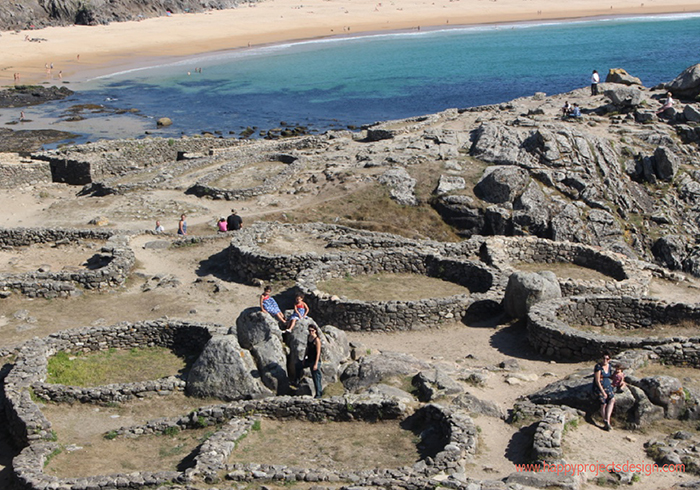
381,368
687,84
401,185
620,75
225,370
502,184
526,289
624,97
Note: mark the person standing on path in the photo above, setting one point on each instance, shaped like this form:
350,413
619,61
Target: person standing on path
182,226
603,388
595,80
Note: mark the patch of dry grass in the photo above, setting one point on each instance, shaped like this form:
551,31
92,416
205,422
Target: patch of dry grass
333,445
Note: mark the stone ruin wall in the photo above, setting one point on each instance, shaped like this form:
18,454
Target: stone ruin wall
65,283
349,314
550,332
13,175
32,430
83,164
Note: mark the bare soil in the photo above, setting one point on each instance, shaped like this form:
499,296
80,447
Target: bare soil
564,270
47,256
390,287
84,427
294,242
335,446
249,176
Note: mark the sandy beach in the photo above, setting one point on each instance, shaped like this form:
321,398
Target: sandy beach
80,52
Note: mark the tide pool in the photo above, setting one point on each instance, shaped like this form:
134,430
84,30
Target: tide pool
333,83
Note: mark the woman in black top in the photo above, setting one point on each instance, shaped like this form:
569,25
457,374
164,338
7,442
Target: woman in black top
602,386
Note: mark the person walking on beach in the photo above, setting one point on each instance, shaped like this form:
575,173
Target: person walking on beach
182,226
595,80
234,221
603,388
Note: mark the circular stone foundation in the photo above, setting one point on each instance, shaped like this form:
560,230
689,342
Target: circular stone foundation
91,259
484,287
453,439
274,251
618,274
552,328
250,175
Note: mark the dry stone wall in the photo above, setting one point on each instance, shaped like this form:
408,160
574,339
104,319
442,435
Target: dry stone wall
625,276
485,287
552,328
115,254
249,260
14,175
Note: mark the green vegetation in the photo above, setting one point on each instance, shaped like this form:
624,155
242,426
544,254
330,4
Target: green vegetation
171,431
111,435
53,454
256,425
113,366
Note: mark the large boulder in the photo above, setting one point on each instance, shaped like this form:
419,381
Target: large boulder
670,251
687,84
449,183
434,383
259,332
691,112
624,97
531,212
644,412
619,75
501,184
386,367
666,163
576,391
335,350
667,392
225,370
401,185
526,289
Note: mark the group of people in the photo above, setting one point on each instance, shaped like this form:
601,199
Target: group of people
312,356
595,80
232,223
569,110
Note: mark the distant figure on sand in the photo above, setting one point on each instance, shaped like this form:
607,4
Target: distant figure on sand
603,388
221,225
595,79
159,227
301,310
269,305
667,105
234,221
182,226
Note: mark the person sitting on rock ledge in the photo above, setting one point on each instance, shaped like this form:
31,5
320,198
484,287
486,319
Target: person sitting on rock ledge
269,305
667,105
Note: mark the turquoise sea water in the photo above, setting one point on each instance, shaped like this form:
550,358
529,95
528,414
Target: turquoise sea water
337,82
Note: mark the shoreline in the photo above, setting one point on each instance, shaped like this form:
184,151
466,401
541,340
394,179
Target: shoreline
84,52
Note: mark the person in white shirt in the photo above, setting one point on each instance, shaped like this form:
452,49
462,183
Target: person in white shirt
667,105
595,79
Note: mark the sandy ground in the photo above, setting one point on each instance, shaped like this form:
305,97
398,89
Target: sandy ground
80,52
